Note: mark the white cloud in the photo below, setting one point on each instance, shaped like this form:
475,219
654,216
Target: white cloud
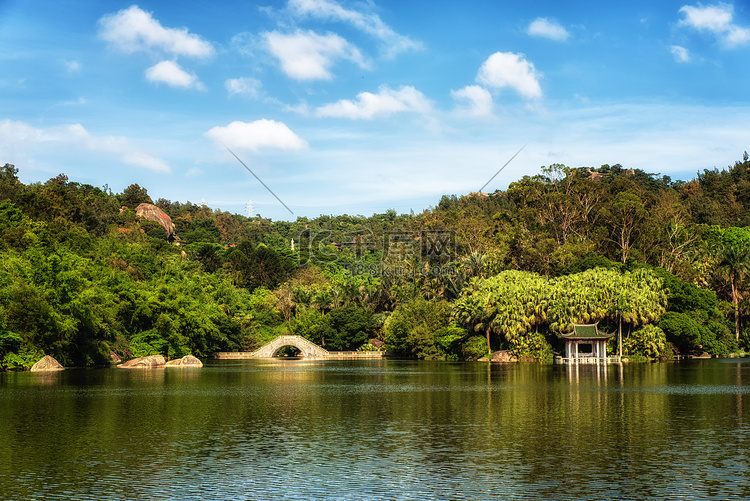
133,30
76,136
246,43
507,69
478,99
386,102
73,102
718,20
737,36
713,18
143,160
305,55
245,86
301,108
543,27
72,66
369,23
257,135
170,73
681,54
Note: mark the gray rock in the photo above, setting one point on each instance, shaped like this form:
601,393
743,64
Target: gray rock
46,364
188,361
503,356
147,362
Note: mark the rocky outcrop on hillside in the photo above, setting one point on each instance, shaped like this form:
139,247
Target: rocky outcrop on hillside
153,213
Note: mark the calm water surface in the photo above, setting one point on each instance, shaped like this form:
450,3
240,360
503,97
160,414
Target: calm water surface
378,430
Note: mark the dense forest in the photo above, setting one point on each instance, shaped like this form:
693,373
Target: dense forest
86,279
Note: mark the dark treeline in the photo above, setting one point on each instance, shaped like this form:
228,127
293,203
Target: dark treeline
83,278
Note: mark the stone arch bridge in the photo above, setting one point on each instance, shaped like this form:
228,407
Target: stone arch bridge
307,349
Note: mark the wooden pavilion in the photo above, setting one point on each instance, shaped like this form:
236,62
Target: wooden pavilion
586,345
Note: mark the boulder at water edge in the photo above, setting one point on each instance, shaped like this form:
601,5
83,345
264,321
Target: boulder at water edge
504,356
188,361
143,362
47,363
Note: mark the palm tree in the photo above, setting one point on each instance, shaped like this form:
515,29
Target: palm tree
476,262
472,310
734,266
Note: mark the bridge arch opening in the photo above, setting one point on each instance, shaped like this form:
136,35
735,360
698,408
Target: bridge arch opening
288,351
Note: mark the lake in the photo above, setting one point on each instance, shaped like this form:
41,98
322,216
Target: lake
378,430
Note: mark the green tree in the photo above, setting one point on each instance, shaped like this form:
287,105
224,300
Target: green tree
648,341
626,217
134,195
509,305
313,325
10,186
423,329
734,267
352,327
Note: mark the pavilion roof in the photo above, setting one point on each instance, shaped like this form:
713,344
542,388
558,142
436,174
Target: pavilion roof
587,331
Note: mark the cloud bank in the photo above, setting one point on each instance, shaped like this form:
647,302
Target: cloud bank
77,137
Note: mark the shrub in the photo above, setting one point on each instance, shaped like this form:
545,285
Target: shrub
648,341
474,348
351,327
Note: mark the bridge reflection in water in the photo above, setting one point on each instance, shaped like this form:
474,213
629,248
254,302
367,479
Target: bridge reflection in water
307,350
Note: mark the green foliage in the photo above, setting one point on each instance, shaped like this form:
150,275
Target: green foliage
475,347
351,327
689,336
203,230
648,341
263,307
687,297
518,305
423,329
147,343
210,256
10,187
448,340
259,267
681,330
626,217
24,358
734,268
313,325
586,262
134,195
80,280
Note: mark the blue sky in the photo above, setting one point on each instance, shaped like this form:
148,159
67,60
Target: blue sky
360,106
